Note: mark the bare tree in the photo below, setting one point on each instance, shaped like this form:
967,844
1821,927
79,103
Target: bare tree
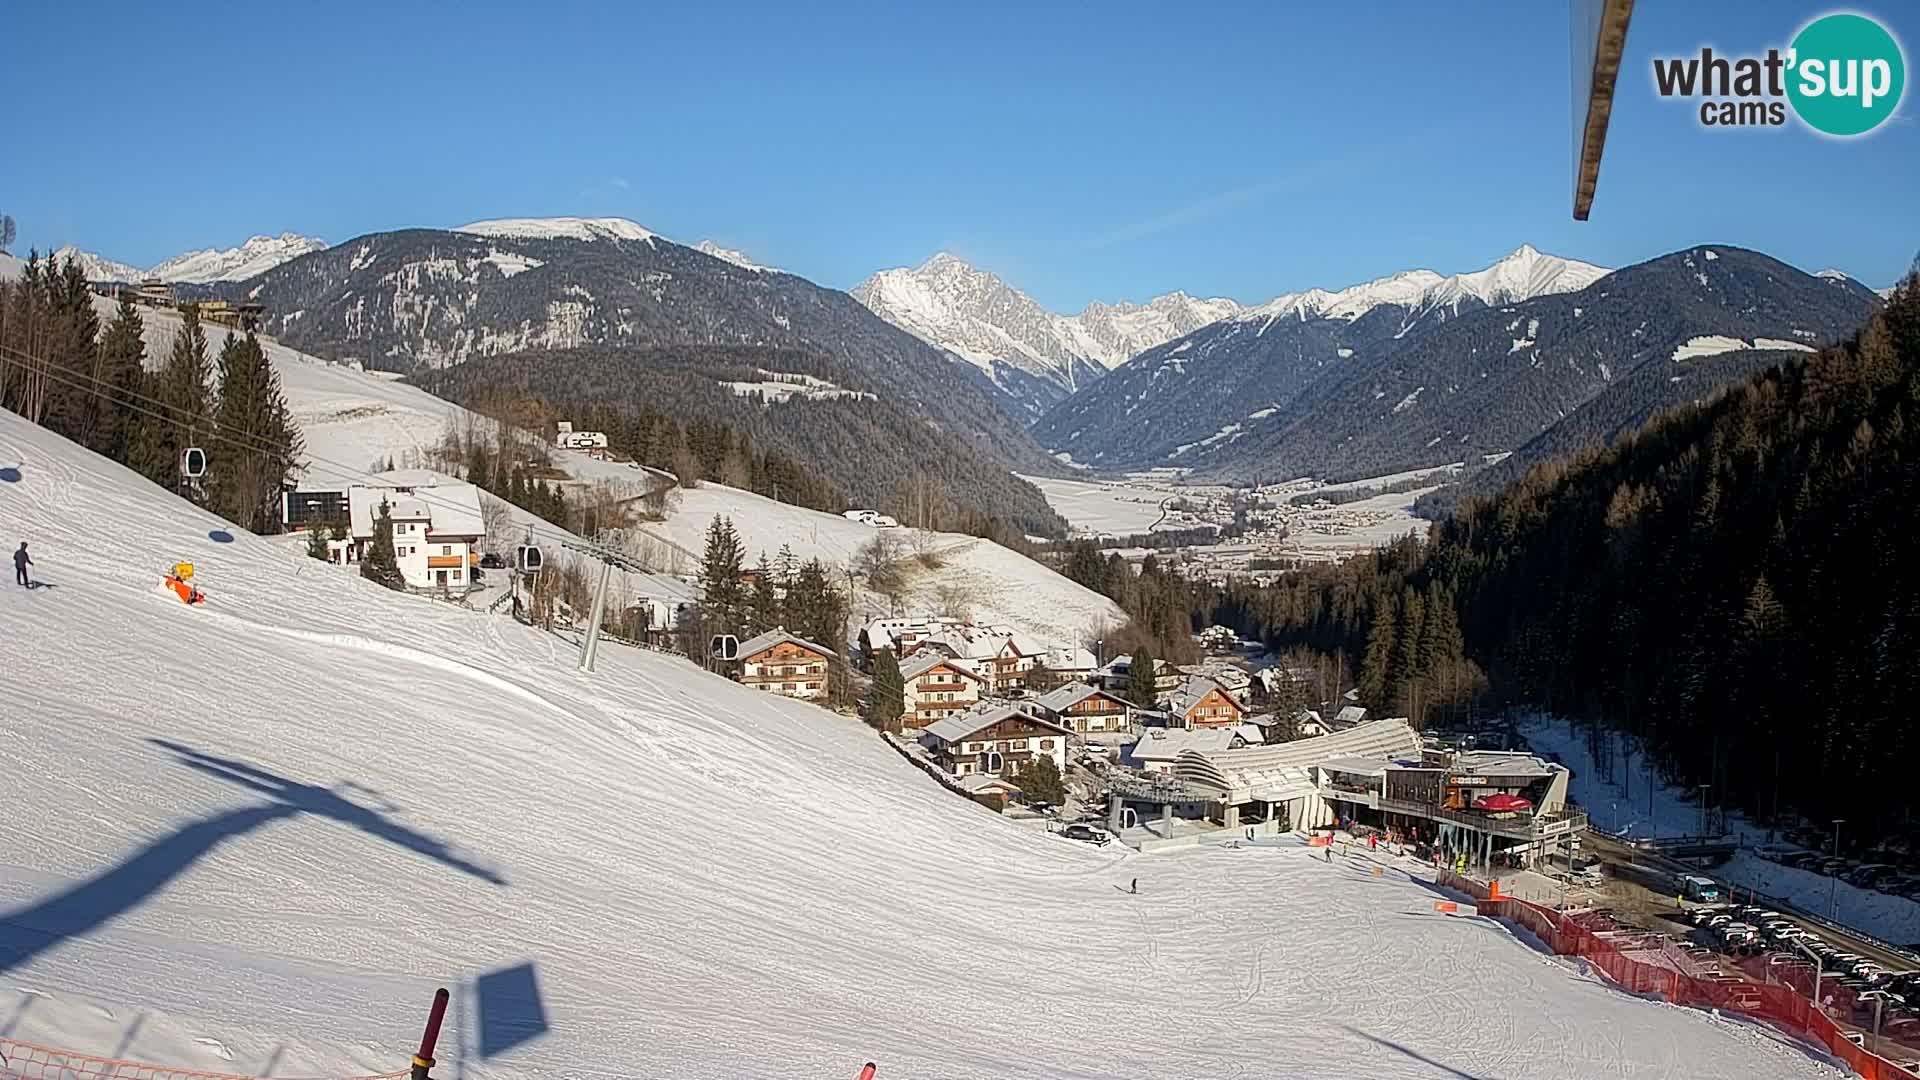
497,519
954,599
6,232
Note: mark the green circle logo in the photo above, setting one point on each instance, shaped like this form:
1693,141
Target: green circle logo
1847,74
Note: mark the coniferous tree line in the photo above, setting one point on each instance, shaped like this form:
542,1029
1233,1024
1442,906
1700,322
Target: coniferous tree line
1159,602
800,596
1732,591
61,369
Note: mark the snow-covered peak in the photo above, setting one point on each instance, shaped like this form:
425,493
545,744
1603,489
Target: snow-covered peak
1837,275
258,255
568,228
979,317
1521,275
97,268
732,255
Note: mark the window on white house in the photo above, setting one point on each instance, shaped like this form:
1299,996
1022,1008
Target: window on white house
446,549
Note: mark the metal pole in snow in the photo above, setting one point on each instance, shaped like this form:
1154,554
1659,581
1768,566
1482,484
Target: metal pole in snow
591,643
423,1059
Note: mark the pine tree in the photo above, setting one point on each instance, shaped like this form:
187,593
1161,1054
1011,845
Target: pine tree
1141,688
887,697
258,442
722,598
763,607
317,542
1039,781
380,564
185,405
123,352
1376,665
477,465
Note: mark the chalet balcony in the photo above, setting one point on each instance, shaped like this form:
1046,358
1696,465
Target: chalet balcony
1514,825
1351,793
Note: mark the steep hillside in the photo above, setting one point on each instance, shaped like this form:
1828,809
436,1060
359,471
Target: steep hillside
353,421
421,300
264,829
858,431
1203,391
1030,355
963,575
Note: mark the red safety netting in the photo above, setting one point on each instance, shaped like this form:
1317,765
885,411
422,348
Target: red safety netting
1649,964
25,1061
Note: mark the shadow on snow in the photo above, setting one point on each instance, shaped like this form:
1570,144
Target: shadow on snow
85,907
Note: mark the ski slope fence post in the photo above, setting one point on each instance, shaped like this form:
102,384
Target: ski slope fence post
1645,963
423,1058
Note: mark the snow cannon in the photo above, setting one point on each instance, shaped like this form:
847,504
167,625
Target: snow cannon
180,580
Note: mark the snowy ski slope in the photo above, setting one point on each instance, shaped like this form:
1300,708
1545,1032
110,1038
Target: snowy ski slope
253,836
349,419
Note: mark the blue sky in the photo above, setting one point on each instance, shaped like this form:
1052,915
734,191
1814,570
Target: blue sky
1082,150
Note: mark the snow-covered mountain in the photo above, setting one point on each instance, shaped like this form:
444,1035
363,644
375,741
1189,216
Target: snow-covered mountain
1521,275
96,267
1033,356
560,228
258,255
1418,369
734,256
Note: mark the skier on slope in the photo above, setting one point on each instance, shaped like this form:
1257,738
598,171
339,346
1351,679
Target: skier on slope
20,563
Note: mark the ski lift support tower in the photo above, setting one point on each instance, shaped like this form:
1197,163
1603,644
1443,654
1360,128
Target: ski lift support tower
590,643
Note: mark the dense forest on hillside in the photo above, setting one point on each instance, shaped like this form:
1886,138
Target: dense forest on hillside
860,446
62,369
1733,587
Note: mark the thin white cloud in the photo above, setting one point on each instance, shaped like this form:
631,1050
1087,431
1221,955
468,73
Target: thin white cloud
1212,205
605,189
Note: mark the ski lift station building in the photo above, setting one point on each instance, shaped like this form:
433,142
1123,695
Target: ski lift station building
1480,804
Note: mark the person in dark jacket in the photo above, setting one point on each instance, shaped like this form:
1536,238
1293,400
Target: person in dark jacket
20,564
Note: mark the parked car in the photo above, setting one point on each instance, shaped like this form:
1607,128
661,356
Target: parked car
1590,875
1091,834
490,561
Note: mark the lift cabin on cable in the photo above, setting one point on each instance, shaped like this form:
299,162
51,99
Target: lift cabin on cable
528,559
193,463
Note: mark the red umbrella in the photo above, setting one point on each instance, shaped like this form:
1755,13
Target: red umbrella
1502,803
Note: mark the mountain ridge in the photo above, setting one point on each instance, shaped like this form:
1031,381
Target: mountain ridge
204,267
1031,355
1374,379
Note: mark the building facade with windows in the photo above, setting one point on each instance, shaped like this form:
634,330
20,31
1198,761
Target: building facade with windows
994,741
778,662
935,687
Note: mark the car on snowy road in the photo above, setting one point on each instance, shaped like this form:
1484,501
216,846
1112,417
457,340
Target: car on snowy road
1090,834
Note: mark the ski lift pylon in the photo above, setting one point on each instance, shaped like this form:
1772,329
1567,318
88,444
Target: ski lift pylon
193,463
